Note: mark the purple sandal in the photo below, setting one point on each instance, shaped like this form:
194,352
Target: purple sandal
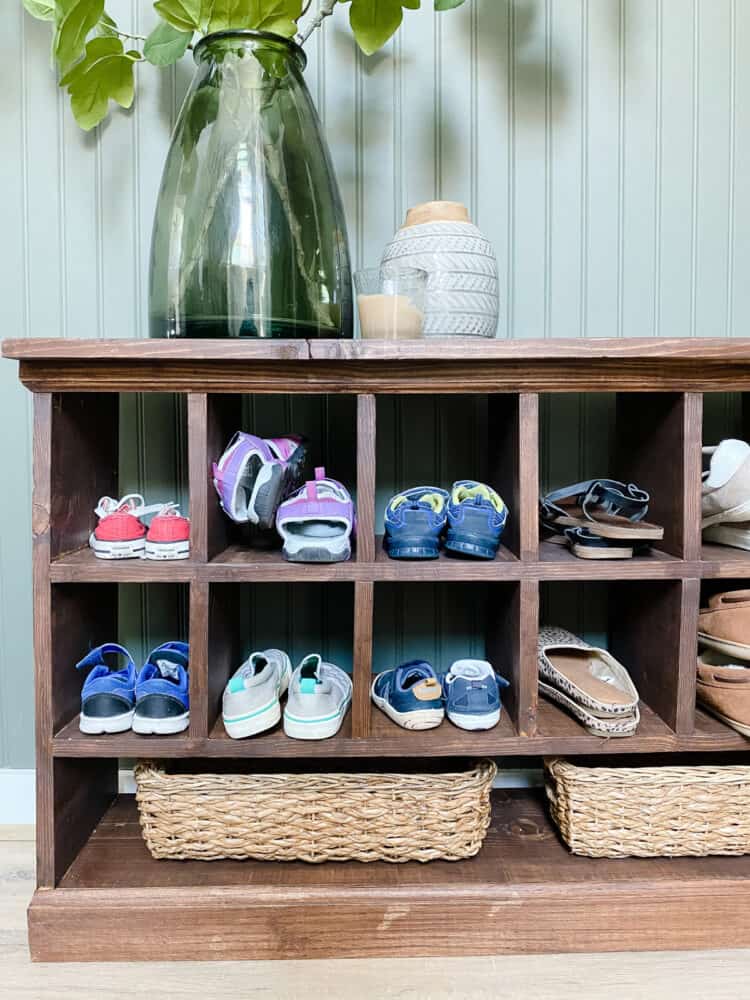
316,524
254,475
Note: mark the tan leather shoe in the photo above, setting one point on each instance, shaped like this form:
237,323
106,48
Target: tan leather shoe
725,624
724,689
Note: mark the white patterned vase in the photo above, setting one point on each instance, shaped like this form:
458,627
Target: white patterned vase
462,298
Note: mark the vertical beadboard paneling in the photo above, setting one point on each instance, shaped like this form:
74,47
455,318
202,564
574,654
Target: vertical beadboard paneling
603,147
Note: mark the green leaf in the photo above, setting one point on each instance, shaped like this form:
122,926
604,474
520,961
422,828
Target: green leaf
166,44
106,27
374,22
280,25
40,10
185,15
447,4
410,4
268,15
201,112
75,19
105,73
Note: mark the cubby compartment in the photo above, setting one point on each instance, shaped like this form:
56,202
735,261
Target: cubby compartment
705,721
441,623
649,627
86,615
299,618
329,424
436,440
725,415
105,444
634,437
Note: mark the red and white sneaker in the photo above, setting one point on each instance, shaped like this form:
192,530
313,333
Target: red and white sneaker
120,534
168,534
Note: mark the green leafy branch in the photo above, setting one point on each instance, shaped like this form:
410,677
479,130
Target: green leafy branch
95,66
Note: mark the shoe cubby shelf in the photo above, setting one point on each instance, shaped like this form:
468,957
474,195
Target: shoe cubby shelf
490,401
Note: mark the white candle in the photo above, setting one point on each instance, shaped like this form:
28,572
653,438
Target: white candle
389,317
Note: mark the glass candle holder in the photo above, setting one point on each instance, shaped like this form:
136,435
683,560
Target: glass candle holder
391,302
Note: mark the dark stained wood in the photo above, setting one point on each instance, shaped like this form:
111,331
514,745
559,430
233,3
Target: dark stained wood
503,645
523,893
646,636
199,483
82,566
688,656
41,508
724,561
223,417
557,734
557,562
528,663
84,464
224,653
82,790
466,374
691,461
200,661
651,349
366,432
653,454
362,674
503,458
447,566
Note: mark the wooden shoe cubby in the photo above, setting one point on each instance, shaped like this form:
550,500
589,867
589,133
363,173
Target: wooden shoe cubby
93,870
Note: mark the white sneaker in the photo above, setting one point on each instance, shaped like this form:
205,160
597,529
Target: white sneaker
726,485
319,696
251,698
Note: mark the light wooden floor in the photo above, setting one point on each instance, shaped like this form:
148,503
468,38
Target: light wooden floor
718,975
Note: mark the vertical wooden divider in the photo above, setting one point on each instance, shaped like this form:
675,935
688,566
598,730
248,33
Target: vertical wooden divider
41,505
688,640
199,665
198,464
528,631
364,591
692,468
366,435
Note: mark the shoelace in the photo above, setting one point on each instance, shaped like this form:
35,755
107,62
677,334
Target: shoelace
133,503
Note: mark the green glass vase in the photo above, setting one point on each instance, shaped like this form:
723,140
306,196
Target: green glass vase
249,237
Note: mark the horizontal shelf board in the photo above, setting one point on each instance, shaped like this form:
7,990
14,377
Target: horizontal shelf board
558,733
83,566
431,348
558,562
521,848
505,566
238,562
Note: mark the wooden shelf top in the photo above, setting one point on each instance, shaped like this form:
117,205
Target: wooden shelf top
558,733
427,349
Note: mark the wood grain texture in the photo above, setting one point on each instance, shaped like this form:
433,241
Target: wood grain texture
200,660
364,598
432,348
691,472
366,438
522,893
425,377
199,462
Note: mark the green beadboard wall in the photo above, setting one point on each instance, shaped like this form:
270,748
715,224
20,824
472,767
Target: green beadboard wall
603,146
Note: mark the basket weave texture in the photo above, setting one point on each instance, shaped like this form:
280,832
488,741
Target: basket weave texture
646,812
314,817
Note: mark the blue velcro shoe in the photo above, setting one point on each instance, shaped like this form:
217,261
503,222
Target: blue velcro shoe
108,696
411,695
162,691
476,518
472,694
414,521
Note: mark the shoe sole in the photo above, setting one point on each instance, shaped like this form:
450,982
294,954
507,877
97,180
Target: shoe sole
421,718
160,727
724,534
411,551
315,729
738,649
272,483
167,550
739,726
467,547
474,722
317,554
738,514
131,549
593,552
265,719
94,725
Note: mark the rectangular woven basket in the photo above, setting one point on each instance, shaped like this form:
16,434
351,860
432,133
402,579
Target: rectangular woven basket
647,812
314,817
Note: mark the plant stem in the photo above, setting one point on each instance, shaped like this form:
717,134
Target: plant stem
325,10
127,34
304,10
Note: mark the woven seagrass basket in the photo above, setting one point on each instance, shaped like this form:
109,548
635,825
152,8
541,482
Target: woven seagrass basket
314,817
647,812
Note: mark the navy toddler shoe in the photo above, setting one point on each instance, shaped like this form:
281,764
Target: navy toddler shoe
414,522
162,691
472,694
476,518
108,696
410,695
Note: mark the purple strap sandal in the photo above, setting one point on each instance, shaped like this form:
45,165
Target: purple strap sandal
317,523
255,474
